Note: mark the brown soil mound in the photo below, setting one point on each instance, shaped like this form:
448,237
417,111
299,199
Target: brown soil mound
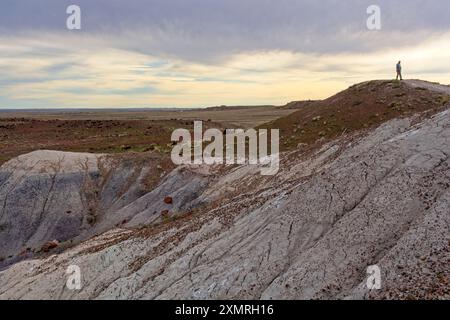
364,105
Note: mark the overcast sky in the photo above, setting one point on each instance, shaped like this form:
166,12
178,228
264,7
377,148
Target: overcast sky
196,53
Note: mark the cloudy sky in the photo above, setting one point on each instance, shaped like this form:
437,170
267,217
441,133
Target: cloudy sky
198,53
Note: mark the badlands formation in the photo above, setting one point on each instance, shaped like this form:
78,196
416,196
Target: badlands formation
378,196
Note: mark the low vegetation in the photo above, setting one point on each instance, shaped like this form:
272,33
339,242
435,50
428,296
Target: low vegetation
362,106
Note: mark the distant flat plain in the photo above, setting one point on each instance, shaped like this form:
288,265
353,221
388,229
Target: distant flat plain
243,117
116,131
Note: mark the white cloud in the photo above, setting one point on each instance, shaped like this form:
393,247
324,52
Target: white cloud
202,53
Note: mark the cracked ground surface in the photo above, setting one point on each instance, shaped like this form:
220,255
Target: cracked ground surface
308,233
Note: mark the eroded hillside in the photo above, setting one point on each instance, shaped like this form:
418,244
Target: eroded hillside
362,106
373,196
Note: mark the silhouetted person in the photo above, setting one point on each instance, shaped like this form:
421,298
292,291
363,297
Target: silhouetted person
399,70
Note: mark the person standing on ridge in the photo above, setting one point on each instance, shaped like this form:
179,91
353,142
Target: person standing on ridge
399,70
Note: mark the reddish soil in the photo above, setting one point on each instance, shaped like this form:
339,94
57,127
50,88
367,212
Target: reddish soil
23,135
362,106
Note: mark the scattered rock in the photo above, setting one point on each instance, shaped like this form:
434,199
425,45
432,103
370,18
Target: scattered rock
48,246
168,200
165,213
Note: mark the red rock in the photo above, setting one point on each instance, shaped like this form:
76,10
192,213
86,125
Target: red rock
165,213
168,200
50,245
